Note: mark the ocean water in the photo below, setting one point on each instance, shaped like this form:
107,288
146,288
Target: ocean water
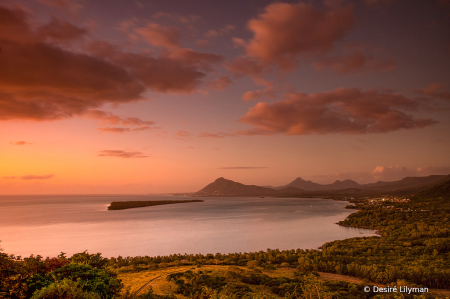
48,225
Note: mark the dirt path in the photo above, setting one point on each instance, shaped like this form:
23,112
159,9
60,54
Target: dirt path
153,279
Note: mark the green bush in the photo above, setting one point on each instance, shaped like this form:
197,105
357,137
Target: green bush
64,289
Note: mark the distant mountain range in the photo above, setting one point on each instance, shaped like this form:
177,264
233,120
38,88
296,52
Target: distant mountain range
224,187
310,186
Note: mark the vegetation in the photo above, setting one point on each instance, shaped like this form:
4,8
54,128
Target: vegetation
122,205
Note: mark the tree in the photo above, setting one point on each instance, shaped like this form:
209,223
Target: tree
90,279
313,288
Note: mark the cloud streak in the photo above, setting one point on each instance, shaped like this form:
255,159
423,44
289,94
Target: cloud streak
37,177
216,135
121,154
114,119
20,143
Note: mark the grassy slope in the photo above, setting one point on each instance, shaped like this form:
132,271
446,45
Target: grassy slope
160,286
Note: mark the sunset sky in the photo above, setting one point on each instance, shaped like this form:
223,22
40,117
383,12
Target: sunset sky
117,96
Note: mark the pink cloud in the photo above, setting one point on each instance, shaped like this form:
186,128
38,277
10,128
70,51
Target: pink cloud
435,90
220,84
251,95
114,129
183,134
144,128
341,111
123,130
211,33
37,177
159,35
285,32
114,119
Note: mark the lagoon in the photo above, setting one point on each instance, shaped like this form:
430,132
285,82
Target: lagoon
50,224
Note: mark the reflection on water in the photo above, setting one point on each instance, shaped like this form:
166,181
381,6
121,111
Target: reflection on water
47,225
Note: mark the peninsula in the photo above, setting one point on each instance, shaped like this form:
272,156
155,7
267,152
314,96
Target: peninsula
122,205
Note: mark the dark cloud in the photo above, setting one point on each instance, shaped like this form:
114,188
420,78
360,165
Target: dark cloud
377,2
121,154
70,84
37,177
177,71
61,31
341,111
42,78
241,167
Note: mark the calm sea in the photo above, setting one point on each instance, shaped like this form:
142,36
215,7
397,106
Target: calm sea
48,225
